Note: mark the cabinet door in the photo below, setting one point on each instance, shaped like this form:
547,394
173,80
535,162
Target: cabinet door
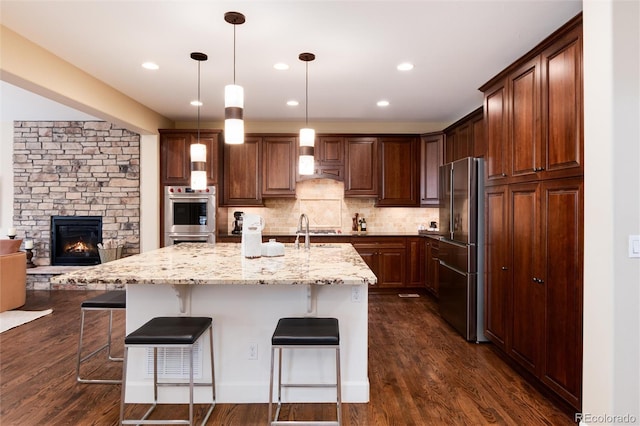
430,162
562,106
175,155
450,146
525,344
463,142
174,158
497,266
242,173
524,129
496,132
562,217
361,167
279,166
398,171
331,157
391,266
479,139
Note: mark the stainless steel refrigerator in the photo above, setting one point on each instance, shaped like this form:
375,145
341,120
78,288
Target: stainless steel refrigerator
461,270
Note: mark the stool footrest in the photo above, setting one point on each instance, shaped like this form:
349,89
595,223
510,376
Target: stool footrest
308,385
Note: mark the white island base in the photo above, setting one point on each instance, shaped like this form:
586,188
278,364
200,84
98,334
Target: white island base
244,318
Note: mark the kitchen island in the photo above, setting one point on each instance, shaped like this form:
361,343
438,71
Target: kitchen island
245,298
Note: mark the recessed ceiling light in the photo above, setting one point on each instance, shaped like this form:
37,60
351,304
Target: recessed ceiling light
281,66
292,103
383,103
196,103
405,66
150,66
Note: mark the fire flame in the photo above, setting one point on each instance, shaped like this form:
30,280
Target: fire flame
77,247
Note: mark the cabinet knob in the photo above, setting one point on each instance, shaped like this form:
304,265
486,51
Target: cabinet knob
538,280
504,175
504,268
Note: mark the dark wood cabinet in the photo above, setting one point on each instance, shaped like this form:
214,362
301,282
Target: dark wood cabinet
431,263
430,162
361,167
534,114
497,265
175,157
242,184
459,137
533,308
534,212
398,165
386,257
562,107
495,113
330,155
279,161
562,206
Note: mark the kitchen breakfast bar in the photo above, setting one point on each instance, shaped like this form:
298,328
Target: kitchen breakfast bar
245,297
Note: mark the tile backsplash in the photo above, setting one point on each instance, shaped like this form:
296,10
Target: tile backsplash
323,201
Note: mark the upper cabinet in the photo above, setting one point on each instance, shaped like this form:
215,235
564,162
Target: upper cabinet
279,161
243,173
175,161
398,165
430,162
329,158
534,114
462,137
361,167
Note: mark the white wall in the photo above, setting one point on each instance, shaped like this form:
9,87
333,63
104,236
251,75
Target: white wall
611,385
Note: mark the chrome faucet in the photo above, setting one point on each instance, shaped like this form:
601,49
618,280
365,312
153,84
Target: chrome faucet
307,243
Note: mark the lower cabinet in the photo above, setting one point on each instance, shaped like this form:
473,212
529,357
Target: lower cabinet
386,257
534,279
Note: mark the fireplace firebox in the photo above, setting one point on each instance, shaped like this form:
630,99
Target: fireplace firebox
75,239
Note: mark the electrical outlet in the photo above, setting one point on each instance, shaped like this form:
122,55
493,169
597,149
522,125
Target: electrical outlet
356,294
252,352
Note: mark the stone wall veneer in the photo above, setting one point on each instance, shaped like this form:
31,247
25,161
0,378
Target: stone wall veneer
83,168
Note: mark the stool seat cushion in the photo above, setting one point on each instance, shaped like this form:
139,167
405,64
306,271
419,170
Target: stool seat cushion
116,299
306,331
169,331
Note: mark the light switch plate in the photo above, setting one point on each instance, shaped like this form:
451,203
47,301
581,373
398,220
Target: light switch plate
634,245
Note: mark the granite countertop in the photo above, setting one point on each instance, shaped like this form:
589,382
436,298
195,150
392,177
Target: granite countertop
222,263
347,234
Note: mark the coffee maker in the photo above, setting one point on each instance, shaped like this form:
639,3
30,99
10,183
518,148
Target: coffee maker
237,223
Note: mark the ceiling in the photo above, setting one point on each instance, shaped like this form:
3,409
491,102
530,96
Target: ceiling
455,46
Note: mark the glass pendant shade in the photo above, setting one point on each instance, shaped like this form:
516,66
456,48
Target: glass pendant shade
198,166
306,164
233,114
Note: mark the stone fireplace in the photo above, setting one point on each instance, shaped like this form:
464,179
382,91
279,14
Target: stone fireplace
74,168
75,239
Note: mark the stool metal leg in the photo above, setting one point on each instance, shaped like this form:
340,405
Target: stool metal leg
81,359
274,420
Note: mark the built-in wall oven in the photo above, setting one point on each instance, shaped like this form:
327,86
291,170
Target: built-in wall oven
189,215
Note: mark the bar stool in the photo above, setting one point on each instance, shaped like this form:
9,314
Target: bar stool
297,333
169,332
111,301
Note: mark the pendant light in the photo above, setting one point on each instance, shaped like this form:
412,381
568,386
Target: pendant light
234,94
307,135
198,150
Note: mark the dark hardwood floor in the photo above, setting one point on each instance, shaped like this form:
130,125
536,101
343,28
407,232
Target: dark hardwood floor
421,373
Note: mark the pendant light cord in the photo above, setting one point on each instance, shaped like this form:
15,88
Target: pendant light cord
306,96
199,102
234,55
